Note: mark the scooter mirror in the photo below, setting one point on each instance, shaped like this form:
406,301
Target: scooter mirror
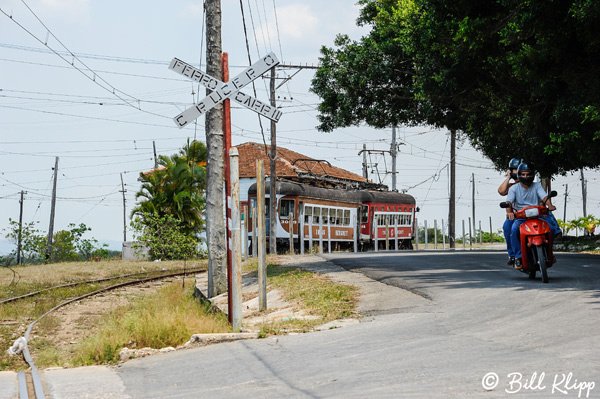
553,194
504,205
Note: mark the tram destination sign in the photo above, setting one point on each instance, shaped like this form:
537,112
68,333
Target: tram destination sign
223,91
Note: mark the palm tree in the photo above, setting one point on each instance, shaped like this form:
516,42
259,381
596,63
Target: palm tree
177,188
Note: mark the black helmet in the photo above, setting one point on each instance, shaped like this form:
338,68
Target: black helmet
524,167
514,164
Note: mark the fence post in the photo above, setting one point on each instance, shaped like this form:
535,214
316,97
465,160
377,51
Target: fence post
236,256
254,230
375,228
443,234
387,233
262,236
246,218
356,234
435,234
291,220
426,236
470,235
416,234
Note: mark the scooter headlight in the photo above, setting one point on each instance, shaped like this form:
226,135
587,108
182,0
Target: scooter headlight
532,213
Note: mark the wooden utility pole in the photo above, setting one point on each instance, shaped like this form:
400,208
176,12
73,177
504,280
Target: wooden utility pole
452,204
52,212
273,177
215,224
124,210
19,242
155,157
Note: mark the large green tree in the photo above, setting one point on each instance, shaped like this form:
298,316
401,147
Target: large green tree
177,188
520,78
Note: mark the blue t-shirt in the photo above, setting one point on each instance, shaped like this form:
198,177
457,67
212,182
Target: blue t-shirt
521,197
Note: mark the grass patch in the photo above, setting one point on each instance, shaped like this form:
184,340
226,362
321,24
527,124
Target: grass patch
167,318
314,292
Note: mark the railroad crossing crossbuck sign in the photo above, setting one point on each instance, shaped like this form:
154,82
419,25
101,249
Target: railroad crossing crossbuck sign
223,91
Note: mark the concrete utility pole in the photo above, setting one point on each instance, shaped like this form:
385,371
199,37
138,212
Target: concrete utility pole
52,211
215,223
155,157
19,243
124,209
452,203
566,195
584,193
394,152
364,165
473,196
273,177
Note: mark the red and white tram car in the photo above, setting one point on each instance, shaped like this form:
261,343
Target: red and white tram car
339,218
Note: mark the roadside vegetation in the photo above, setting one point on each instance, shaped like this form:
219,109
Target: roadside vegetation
158,318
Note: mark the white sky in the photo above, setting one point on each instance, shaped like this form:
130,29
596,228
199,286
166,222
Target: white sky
52,106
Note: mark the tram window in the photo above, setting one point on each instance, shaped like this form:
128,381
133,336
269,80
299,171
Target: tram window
316,215
332,213
364,217
324,217
307,213
286,207
340,217
347,217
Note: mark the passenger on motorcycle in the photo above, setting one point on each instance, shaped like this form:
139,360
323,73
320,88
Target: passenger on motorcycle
526,193
511,174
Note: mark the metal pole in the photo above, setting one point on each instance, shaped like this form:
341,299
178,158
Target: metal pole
320,230
463,234
583,193
426,235
236,253
364,164
329,235
452,200
291,226
473,179
262,247
480,234
435,234
491,233
396,239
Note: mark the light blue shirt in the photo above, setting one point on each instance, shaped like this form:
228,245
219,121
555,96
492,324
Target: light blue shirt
521,197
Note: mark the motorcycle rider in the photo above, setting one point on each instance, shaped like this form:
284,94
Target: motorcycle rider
511,174
526,193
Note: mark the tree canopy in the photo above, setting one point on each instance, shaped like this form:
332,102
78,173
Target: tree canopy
519,78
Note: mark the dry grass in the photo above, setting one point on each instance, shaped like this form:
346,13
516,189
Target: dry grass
167,318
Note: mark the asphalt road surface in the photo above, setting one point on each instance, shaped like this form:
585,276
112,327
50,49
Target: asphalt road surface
470,327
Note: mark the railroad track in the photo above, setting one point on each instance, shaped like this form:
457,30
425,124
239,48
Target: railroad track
20,346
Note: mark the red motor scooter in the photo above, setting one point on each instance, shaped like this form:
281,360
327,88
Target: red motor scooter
536,239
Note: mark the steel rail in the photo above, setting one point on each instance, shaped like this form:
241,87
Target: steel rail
34,293
37,382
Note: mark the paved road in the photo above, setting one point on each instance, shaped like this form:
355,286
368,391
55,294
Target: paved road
462,317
